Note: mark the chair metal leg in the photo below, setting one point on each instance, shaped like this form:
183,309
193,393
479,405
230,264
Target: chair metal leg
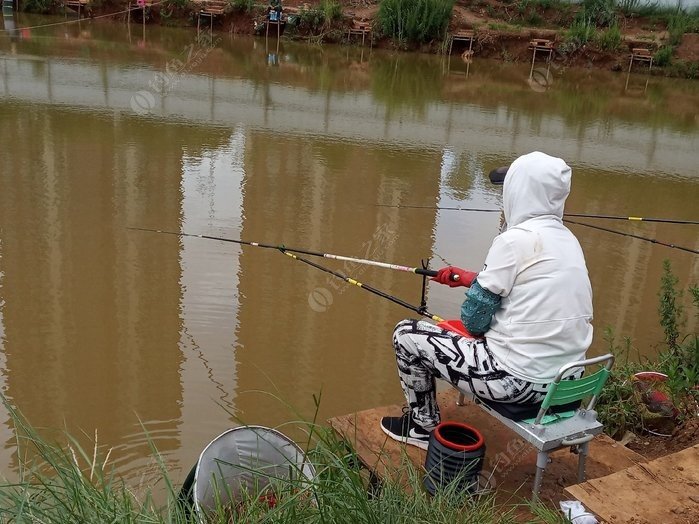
542,460
583,450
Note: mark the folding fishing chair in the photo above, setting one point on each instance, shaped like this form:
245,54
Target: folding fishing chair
559,421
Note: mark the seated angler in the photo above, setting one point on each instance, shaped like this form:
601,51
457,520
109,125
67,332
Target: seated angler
529,309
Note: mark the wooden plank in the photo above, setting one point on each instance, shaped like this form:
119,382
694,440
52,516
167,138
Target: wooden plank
541,44
509,460
464,34
663,490
379,453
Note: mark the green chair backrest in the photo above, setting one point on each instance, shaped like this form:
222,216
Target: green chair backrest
566,391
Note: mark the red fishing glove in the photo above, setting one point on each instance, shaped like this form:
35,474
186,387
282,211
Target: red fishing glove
455,276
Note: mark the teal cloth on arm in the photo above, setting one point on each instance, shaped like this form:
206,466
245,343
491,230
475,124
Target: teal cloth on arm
478,308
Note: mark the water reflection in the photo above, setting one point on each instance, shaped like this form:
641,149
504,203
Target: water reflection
107,328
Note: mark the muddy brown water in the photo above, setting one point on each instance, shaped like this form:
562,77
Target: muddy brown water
137,336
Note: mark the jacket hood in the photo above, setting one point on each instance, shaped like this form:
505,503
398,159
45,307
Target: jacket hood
536,185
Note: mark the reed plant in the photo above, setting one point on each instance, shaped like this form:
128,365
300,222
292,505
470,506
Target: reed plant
415,21
581,31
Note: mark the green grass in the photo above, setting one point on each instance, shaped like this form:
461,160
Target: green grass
580,33
609,40
663,56
60,482
620,407
318,18
415,21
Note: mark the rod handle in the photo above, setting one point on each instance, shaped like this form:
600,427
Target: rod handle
433,273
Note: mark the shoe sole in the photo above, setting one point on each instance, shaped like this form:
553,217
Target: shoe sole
422,444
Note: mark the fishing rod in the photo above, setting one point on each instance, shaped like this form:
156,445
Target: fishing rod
291,252
575,215
419,310
497,177
386,265
653,240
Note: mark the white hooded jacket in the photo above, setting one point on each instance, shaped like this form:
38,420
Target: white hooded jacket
538,268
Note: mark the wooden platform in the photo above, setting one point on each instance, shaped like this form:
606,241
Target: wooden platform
541,45
641,54
361,28
211,7
509,460
663,490
462,35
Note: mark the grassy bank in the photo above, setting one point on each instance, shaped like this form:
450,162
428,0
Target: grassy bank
60,482
592,33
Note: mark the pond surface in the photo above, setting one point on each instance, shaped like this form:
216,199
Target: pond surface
105,127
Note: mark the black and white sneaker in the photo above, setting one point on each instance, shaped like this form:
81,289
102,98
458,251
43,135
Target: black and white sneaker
403,429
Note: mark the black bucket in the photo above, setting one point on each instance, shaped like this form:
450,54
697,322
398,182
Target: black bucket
454,454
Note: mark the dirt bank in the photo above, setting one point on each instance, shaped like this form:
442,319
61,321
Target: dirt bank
501,29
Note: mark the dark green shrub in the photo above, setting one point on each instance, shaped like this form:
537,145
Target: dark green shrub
681,360
580,33
415,21
620,406
320,16
663,56
609,40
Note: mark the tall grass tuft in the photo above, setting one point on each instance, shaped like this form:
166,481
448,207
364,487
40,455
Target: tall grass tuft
581,31
415,21
320,17
64,483
678,24
610,40
663,56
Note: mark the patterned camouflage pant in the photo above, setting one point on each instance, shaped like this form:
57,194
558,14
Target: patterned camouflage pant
425,352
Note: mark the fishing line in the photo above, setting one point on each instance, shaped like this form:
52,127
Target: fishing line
652,240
